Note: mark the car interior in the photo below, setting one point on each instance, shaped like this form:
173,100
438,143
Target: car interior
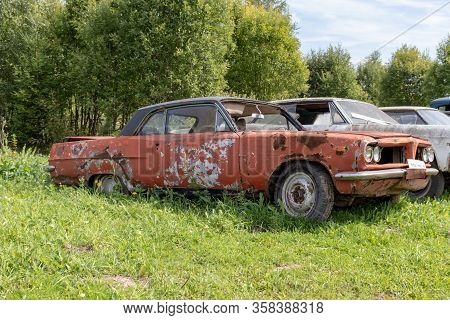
249,116
312,113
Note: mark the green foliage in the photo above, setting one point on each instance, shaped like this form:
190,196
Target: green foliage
266,63
370,75
71,243
332,74
404,79
437,79
29,74
24,165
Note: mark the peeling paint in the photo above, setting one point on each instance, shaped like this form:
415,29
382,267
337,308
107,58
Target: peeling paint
198,166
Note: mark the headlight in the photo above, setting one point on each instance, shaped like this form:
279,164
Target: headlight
377,154
425,155
430,154
368,154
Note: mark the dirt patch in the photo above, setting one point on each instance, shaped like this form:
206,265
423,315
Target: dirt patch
125,281
79,249
287,267
385,296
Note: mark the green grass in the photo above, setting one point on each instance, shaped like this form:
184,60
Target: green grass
70,243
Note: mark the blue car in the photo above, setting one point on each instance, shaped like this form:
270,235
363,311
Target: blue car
442,104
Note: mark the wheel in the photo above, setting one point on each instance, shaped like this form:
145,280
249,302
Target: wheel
108,184
306,190
434,188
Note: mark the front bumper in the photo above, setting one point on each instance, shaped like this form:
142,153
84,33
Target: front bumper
387,174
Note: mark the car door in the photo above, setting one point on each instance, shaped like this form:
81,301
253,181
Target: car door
200,150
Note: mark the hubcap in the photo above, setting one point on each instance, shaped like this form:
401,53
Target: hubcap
299,194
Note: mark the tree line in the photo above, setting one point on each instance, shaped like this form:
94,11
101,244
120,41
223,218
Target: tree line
82,67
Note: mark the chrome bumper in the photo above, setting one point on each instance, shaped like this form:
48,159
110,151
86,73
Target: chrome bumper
48,168
380,174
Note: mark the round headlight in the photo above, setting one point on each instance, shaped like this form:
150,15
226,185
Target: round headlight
368,154
425,155
377,154
430,154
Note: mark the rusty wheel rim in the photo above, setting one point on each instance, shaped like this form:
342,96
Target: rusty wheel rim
299,194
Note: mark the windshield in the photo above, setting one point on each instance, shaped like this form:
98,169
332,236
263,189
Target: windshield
362,112
434,117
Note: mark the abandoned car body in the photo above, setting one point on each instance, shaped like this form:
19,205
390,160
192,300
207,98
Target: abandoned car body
236,144
338,114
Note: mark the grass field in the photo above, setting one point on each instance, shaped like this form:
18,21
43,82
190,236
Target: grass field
70,243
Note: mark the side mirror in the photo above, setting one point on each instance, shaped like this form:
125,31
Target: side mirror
257,116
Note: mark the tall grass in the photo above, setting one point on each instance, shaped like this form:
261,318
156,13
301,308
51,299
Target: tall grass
71,243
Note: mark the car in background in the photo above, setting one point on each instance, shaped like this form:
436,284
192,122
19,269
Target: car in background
442,104
224,143
417,115
337,114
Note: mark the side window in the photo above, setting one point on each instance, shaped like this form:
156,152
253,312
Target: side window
335,116
221,124
154,125
409,117
195,119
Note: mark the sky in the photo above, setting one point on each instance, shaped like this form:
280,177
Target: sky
365,25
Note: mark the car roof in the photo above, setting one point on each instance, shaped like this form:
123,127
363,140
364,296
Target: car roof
296,100
205,100
440,102
139,115
407,108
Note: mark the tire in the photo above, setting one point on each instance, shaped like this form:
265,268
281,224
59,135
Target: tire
108,184
306,190
434,188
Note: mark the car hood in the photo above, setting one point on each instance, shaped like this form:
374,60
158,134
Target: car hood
373,134
425,131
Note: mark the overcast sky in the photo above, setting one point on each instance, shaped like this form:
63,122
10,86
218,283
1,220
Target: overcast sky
364,26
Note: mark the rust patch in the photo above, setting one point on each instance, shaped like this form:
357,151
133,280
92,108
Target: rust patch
78,148
298,195
313,140
279,142
340,151
60,151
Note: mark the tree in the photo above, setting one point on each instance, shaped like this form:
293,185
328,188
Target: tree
160,50
437,79
332,74
266,62
404,79
29,58
370,74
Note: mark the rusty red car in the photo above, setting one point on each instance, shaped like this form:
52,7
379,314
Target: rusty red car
225,143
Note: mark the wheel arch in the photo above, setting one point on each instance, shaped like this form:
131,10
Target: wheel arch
274,177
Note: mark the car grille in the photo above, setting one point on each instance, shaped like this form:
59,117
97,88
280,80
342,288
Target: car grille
392,155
